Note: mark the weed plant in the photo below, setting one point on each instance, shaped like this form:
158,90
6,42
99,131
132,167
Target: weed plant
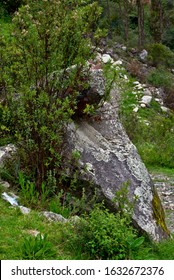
37,248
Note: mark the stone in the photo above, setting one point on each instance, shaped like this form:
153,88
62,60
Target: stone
4,184
6,151
147,92
34,233
124,48
139,87
136,83
54,217
125,77
74,220
106,58
10,198
143,55
24,210
113,161
146,99
159,100
136,109
164,109
117,63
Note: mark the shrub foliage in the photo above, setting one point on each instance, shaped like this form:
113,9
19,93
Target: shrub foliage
43,75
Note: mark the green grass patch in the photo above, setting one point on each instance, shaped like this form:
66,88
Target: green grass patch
15,228
68,241
161,170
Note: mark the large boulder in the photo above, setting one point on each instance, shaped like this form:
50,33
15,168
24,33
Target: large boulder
110,160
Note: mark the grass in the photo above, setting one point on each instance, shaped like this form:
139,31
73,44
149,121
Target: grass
161,170
149,129
15,228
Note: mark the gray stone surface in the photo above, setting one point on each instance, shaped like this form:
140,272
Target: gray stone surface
112,160
6,151
24,210
54,217
11,198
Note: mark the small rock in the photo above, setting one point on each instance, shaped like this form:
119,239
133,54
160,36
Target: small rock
136,83
146,99
98,56
118,62
10,198
146,123
136,109
54,217
24,210
34,232
106,58
124,48
143,55
139,87
164,109
125,77
6,151
159,100
74,220
147,92
4,184
143,105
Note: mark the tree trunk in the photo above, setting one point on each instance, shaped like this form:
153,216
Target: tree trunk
140,7
157,18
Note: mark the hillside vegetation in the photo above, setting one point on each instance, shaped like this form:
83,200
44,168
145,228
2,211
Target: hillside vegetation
44,50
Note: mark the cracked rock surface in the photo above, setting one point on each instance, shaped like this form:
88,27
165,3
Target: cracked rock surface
112,160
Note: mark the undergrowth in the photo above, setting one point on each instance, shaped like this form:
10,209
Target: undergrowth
150,129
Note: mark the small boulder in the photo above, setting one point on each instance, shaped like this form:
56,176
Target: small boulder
146,99
6,151
54,217
106,58
164,109
143,55
24,210
12,199
4,184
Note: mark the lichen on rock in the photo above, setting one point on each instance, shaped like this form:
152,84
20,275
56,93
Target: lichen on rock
105,146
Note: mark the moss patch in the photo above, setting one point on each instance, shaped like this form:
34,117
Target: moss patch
158,212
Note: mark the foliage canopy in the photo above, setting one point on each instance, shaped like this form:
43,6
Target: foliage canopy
43,75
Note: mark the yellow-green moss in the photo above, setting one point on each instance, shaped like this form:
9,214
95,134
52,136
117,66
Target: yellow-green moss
158,212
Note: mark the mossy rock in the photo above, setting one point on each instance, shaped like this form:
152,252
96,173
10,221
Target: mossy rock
158,212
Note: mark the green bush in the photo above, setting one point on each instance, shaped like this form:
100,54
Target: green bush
155,142
49,37
104,235
168,38
160,77
159,54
